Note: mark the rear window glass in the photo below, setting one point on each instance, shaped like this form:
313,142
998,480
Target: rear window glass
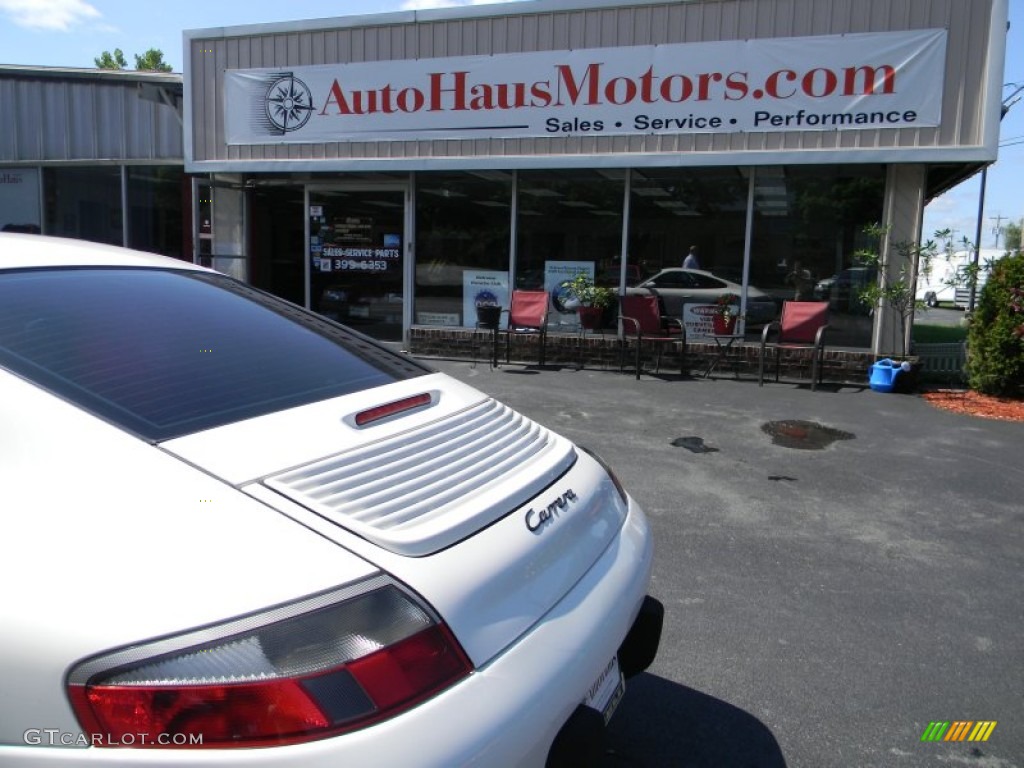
672,280
706,281
163,353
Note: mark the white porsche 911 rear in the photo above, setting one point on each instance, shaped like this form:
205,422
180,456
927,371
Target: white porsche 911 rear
236,533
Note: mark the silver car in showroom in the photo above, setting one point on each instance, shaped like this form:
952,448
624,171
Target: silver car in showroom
677,287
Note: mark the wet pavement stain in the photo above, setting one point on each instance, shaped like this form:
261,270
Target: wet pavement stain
694,444
803,435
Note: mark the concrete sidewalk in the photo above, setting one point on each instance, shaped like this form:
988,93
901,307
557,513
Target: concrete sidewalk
823,606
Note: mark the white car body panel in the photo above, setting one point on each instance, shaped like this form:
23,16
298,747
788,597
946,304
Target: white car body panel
436,484
249,450
111,541
509,710
148,548
488,607
391,460
35,251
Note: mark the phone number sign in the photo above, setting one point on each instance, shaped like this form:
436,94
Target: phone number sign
335,259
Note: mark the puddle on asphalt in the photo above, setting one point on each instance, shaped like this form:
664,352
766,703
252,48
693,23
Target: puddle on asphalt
694,444
804,435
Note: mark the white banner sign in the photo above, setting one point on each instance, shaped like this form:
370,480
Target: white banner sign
825,83
699,320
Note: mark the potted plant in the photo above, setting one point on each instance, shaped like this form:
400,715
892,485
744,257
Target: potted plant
895,288
727,312
593,299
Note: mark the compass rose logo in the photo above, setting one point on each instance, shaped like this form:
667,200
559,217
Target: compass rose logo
289,103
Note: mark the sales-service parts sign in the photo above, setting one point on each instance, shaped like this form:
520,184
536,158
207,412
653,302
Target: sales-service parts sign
824,83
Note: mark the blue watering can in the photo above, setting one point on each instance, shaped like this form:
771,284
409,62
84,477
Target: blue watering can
882,375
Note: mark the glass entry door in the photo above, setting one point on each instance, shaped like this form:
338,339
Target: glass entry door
357,258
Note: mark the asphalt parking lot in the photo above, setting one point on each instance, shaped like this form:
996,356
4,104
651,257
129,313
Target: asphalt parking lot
823,605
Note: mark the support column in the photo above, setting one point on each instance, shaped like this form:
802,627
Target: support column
903,217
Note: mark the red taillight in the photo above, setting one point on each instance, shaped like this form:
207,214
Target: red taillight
390,409
396,676
240,714
294,674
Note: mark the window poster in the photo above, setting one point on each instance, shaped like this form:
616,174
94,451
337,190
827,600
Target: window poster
483,287
698,319
562,307
349,244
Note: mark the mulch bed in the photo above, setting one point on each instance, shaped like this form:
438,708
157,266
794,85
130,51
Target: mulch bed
976,404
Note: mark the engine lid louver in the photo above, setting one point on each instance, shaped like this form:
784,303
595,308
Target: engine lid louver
425,489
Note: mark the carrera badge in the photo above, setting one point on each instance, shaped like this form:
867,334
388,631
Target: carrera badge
536,520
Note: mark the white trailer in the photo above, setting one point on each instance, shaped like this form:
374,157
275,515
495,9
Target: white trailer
947,280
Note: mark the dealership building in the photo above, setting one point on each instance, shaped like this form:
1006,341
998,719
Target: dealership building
96,155
395,170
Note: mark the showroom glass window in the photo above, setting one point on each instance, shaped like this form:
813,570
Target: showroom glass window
84,203
155,209
808,226
569,216
674,208
276,242
463,225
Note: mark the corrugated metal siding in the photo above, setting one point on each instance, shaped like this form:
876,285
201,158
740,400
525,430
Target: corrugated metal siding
51,119
967,22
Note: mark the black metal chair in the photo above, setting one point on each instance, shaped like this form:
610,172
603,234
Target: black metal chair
488,318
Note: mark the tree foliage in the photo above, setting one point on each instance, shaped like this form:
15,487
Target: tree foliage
108,60
1012,233
151,61
897,284
995,339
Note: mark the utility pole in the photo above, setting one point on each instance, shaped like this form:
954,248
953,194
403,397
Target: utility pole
997,229
952,240
977,242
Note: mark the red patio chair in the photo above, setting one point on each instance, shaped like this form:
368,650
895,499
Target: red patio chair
527,316
802,326
641,315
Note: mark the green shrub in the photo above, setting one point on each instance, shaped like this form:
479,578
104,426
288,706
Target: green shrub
995,341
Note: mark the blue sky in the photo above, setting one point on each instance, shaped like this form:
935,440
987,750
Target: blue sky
71,33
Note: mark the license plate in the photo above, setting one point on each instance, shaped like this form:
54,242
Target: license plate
606,692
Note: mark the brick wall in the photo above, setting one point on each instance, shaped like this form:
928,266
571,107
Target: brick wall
602,351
